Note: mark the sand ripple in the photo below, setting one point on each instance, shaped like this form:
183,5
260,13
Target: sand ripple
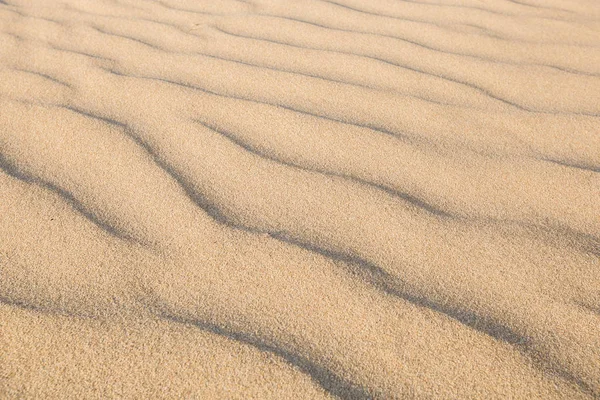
300,199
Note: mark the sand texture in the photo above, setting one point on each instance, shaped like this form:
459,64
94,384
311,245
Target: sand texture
300,199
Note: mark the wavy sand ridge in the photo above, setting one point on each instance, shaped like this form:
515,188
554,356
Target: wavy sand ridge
300,199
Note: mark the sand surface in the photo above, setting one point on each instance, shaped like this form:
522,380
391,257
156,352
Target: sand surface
289,199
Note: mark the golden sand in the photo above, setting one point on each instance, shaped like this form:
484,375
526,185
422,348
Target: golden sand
293,199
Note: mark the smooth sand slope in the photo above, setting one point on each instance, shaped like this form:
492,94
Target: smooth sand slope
294,199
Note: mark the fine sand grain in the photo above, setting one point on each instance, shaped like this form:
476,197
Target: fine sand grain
299,199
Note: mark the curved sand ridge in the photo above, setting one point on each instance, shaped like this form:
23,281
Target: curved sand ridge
300,199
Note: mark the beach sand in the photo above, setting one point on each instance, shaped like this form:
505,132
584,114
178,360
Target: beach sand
289,199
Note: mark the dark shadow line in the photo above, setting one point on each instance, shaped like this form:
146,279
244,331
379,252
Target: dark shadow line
325,378
386,283
23,15
21,304
196,198
580,241
490,11
359,85
47,77
40,309
592,309
71,51
542,7
386,16
192,194
170,7
589,168
87,114
66,196
506,37
566,70
60,49
101,30
419,203
468,7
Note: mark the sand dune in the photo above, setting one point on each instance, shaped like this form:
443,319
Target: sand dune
300,199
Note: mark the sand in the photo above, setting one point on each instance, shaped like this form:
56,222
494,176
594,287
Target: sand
285,199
